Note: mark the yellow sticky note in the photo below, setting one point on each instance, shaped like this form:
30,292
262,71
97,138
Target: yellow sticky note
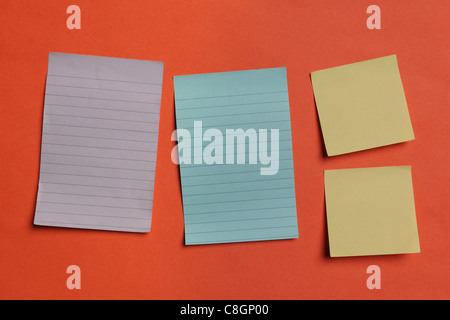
370,211
361,106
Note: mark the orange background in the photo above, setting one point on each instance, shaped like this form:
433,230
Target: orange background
202,36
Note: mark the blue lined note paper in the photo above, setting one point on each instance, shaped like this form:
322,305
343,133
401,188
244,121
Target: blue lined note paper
99,142
239,186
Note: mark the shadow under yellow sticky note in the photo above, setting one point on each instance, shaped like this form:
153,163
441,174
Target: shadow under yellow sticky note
361,106
370,211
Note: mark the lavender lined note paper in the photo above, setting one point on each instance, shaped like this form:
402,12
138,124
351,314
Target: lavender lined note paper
99,143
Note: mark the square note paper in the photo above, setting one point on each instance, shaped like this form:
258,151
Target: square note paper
99,142
361,106
370,211
235,154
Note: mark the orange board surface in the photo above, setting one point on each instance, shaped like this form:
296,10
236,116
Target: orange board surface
206,36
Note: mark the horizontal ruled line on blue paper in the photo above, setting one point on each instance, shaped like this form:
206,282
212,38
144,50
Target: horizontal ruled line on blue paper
261,238
202,166
230,115
231,95
259,180
223,211
239,191
233,201
228,173
246,229
231,105
237,125
237,220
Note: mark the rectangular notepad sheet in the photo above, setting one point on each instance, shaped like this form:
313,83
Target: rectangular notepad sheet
99,142
226,202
